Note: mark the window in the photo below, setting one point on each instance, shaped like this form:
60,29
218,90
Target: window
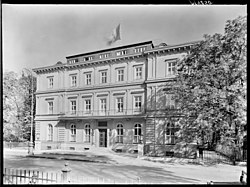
119,104
88,58
119,138
171,67
87,106
87,133
106,55
120,75
170,102
137,101
119,53
104,77
50,132
140,49
88,78
50,107
103,105
138,72
170,133
50,82
73,80
72,132
73,107
73,61
137,133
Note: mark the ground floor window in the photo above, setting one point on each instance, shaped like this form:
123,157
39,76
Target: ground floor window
119,138
87,133
170,133
72,132
137,133
50,132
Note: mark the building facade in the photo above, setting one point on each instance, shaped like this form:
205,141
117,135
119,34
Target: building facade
111,98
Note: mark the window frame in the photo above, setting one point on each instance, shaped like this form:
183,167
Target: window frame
87,106
72,132
137,103
50,82
137,138
50,133
50,107
120,76
102,104
103,77
88,78
87,133
119,104
73,83
71,107
137,73
169,133
120,133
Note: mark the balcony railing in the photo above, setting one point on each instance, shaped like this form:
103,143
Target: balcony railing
104,113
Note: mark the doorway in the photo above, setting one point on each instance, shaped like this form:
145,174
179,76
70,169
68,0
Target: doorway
103,137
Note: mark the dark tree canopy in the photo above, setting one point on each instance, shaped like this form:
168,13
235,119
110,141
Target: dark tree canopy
210,88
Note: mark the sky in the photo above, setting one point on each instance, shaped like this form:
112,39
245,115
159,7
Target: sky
41,35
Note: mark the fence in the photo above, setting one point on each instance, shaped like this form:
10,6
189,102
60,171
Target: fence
15,144
14,176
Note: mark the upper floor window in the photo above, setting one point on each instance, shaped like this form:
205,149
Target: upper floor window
137,133
119,53
103,105
137,103
119,104
50,132
171,67
88,58
138,72
87,133
119,138
170,102
103,76
73,61
50,107
72,132
140,49
88,79
73,107
170,133
87,105
50,82
106,55
73,80
120,75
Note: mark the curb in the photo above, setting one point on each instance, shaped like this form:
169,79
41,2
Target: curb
63,158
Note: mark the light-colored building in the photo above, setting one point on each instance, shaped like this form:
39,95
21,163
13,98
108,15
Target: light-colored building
110,98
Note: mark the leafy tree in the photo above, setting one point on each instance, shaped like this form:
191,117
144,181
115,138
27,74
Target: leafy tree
210,87
17,106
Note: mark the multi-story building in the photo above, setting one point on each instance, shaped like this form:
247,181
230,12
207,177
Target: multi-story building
110,98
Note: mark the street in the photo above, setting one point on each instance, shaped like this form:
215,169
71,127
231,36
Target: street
129,169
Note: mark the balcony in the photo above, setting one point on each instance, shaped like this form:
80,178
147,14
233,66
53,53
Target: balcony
102,113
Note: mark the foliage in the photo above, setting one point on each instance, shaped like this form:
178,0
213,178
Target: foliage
210,87
16,106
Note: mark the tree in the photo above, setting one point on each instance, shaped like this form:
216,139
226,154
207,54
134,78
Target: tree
210,86
17,106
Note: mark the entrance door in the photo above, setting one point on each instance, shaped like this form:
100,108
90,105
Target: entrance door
103,137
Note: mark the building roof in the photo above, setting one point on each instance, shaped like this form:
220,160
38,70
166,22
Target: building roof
111,49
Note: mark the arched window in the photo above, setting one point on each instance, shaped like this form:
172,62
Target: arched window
50,132
119,133
137,133
170,133
87,133
72,132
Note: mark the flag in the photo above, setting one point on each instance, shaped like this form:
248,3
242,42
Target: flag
115,36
